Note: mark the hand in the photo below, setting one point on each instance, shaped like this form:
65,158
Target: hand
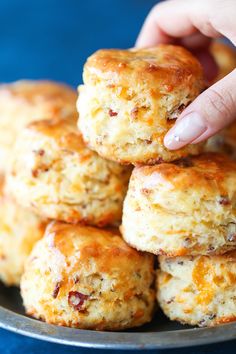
193,24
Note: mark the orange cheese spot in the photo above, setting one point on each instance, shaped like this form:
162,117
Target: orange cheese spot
188,310
226,319
232,277
129,294
138,314
200,275
218,280
165,278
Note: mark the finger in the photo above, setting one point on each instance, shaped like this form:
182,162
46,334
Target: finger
196,41
151,34
214,109
181,18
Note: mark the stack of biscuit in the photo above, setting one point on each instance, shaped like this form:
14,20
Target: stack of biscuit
56,191
180,205
21,103
66,180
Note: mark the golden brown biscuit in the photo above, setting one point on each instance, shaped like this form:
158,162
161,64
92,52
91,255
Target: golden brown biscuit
88,278
225,57
198,290
131,98
25,101
55,175
19,231
183,208
225,140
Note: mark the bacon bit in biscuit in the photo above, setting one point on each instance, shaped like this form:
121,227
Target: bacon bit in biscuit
35,173
203,322
56,290
147,141
211,248
76,280
187,242
112,113
39,152
134,113
176,113
170,300
146,191
76,299
180,262
224,200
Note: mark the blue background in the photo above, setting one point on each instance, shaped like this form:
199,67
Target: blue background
51,39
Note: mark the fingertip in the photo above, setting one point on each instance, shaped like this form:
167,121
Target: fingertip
186,130
172,142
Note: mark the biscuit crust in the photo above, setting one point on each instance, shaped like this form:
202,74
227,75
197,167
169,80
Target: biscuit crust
225,57
131,98
20,229
223,142
88,278
198,290
183,208
25,101
58,177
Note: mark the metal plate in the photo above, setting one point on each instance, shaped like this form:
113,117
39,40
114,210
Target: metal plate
159,334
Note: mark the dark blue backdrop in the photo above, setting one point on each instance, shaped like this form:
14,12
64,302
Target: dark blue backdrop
52,39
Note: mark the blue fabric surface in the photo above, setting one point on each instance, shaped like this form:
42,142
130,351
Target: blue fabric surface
52,39
11,343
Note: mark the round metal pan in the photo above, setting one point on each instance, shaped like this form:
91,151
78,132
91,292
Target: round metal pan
159,334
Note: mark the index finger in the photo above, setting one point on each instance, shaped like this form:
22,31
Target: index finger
176,19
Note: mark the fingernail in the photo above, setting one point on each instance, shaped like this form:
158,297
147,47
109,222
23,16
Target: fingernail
186,130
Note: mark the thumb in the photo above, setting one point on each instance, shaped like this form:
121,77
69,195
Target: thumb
206,115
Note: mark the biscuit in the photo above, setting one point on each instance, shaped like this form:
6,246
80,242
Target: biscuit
225,57
88,278
58,177
182,208
131,98
19,231
198,290
25,101
223,142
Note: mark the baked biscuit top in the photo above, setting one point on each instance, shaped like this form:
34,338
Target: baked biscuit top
165,65
82,244
54,97
211,172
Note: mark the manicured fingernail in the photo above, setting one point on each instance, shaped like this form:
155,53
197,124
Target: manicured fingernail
186,130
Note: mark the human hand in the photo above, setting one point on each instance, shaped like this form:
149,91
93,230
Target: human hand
193,24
